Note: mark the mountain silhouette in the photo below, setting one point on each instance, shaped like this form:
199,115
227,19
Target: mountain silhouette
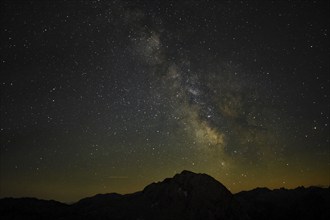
299,203
186,196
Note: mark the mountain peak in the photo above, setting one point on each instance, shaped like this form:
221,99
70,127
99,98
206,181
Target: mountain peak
190,180
188,189
199,180
187,172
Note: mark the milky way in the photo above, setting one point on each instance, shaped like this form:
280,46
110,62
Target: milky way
108,96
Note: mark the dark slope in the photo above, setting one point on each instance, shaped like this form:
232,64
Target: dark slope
31,208
299,203
187,196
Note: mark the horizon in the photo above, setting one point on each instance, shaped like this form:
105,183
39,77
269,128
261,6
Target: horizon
109,96
69,202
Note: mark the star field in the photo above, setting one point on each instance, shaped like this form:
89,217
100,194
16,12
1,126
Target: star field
108,96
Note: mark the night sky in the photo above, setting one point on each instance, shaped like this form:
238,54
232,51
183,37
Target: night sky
109,96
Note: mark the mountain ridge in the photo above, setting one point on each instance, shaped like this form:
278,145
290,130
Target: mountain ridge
184,196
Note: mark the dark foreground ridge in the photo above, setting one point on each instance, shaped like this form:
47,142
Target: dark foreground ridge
185,196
